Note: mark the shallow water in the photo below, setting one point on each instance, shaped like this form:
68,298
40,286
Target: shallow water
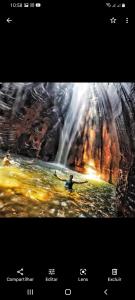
29,189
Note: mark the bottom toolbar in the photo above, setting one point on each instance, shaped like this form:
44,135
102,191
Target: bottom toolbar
53,281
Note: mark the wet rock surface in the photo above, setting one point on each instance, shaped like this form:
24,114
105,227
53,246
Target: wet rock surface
31,119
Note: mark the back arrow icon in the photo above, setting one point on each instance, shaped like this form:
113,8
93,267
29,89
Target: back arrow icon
9,20
105,292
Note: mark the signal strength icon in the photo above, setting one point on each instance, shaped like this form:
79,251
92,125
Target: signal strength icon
115,5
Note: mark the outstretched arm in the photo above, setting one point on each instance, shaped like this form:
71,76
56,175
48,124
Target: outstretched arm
59,177
80,182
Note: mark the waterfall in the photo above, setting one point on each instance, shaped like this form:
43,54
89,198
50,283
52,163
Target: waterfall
72,121
85,96
91,116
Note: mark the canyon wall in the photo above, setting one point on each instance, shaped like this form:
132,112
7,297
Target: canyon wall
31,121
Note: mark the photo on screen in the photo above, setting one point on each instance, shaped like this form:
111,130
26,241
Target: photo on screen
67,149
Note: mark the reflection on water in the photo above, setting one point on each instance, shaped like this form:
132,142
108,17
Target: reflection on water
29,189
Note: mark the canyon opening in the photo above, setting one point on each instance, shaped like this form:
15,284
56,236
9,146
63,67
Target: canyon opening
67,149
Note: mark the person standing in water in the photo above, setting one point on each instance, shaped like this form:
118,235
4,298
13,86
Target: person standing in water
69,182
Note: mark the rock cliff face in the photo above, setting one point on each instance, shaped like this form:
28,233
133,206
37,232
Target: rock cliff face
126,179
32,118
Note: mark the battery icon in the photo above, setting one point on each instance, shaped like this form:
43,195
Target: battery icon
38,4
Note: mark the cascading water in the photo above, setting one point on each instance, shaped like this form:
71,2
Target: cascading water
72,121
83,100
93,114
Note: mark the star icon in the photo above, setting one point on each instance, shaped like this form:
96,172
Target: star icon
113,20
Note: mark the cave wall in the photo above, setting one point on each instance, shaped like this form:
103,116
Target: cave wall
96,143
31,125
125,192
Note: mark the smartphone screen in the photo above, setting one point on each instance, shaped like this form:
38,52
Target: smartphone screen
67,150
